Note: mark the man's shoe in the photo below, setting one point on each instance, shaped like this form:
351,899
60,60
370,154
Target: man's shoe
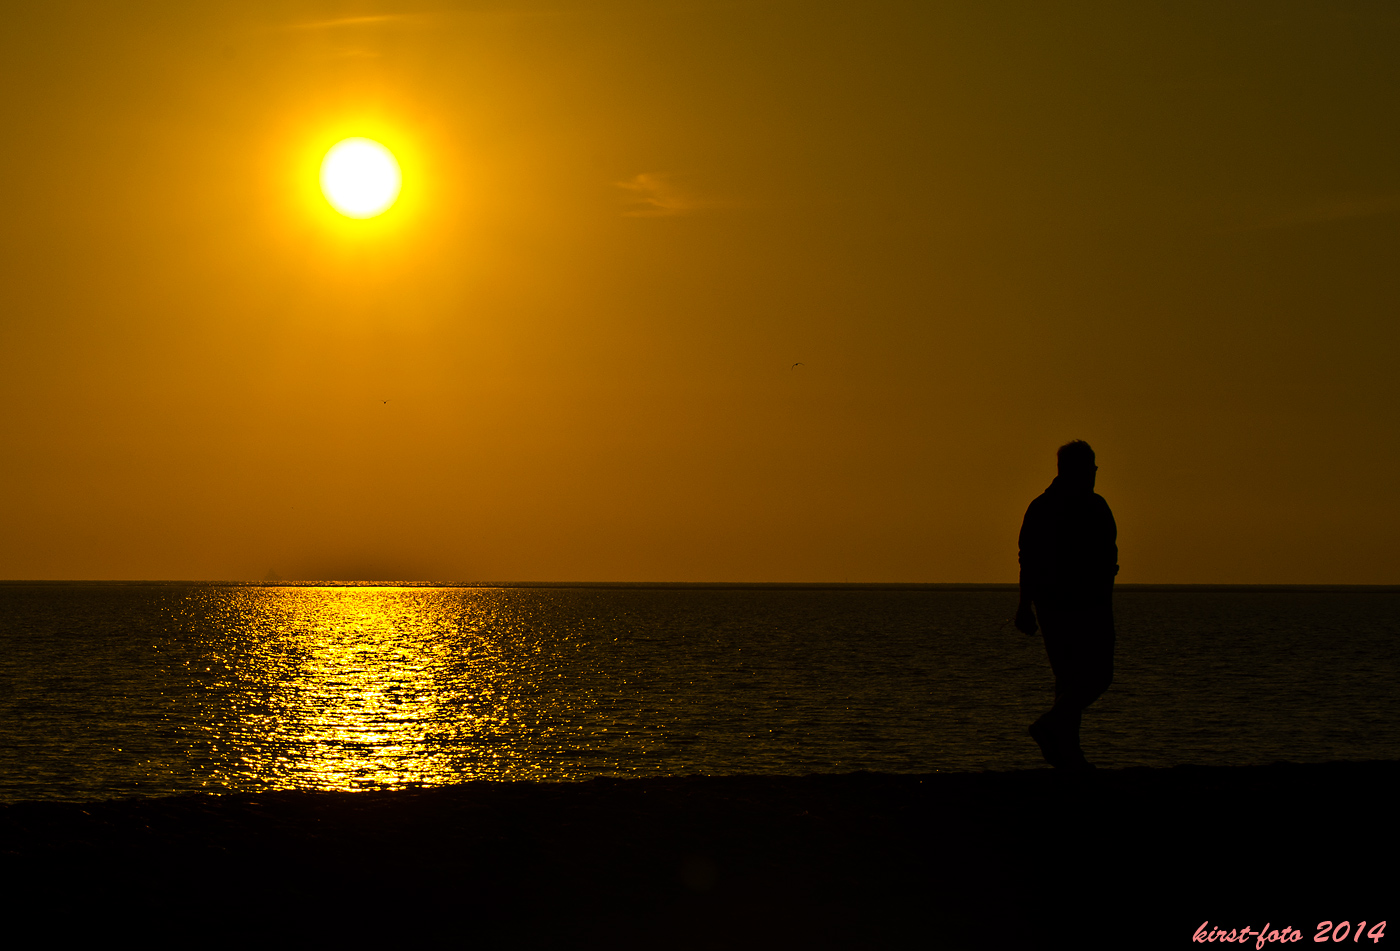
1049,748
1076,761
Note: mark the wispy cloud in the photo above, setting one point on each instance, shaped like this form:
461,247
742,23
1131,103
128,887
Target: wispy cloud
1341,208
402,18
655,195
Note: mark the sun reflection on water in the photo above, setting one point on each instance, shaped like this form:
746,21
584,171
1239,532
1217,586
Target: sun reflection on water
356,687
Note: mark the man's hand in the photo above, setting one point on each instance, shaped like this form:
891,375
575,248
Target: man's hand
1025,617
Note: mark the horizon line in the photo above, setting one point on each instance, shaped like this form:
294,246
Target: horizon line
812,585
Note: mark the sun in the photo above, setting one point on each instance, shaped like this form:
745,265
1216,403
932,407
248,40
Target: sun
360,178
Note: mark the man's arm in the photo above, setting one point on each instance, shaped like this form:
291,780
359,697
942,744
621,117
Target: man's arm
1028,543
1110,532
1025,616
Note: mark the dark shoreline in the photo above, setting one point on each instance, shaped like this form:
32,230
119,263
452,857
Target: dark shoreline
1012,859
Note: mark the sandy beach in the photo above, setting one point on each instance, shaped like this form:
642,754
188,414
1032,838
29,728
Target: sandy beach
1115,858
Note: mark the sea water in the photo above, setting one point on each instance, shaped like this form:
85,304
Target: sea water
115,690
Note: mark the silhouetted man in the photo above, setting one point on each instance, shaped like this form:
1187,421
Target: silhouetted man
1069,556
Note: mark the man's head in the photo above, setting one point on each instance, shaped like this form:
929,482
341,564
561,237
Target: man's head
1077,467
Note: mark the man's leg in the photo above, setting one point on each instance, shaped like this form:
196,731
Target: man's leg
1079,642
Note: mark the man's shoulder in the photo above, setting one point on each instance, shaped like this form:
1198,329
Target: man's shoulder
1101,504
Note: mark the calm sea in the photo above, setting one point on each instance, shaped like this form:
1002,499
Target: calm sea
115,690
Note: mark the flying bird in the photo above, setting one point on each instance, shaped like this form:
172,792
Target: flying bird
383,401
796,365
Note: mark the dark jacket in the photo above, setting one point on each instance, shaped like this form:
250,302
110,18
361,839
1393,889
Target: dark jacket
1069,548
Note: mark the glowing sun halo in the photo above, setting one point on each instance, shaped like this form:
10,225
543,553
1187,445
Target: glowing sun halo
360,178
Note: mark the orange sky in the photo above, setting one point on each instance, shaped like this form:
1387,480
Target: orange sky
983,229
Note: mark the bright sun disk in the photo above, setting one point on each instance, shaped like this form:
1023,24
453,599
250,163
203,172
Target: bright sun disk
360,178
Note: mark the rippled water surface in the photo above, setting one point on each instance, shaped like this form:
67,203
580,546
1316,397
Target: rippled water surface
115,690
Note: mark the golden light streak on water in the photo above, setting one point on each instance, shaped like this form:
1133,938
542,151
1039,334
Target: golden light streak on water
363,706
361,688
